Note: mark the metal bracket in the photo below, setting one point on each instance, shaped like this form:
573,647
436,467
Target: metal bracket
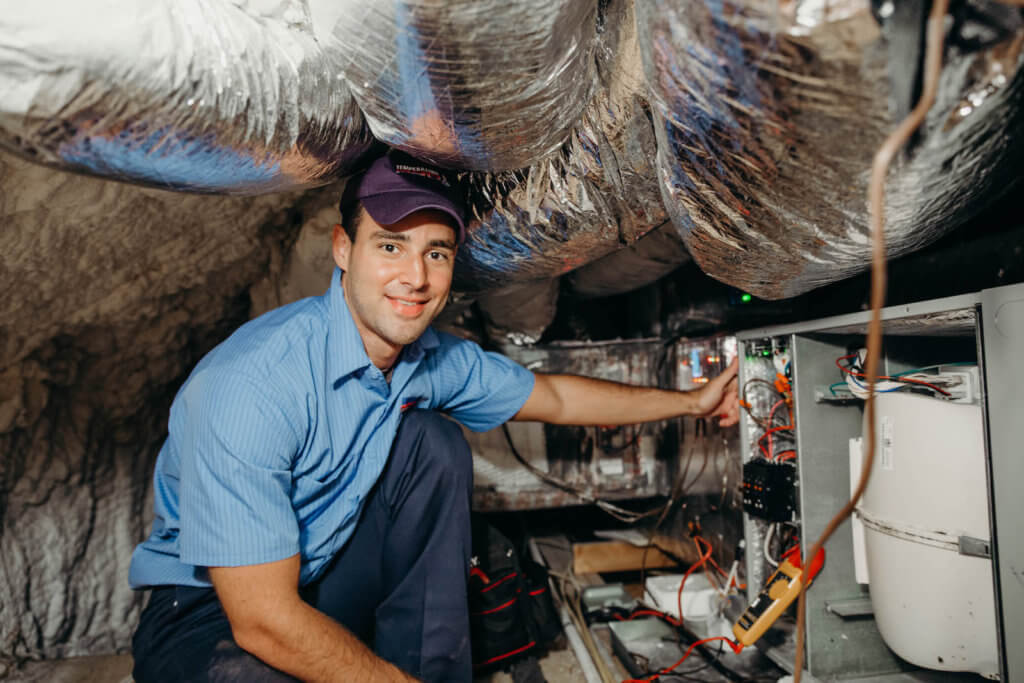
850,609
975,547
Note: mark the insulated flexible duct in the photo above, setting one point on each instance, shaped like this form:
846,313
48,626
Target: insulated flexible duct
768,114
650,258
598,193
480,85
765,116
195,95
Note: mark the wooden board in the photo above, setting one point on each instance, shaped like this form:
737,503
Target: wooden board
615,556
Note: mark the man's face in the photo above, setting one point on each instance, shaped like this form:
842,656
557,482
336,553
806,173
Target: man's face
397,277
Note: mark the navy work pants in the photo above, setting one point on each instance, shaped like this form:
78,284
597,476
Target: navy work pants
399,584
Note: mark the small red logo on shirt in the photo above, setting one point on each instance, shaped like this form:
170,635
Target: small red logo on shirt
410,403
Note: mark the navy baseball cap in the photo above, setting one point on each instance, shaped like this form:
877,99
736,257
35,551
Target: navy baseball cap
396,185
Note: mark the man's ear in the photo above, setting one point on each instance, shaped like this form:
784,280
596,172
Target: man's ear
341,247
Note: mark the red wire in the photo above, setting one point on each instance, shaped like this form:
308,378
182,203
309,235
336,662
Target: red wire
771,416
786,455
650,613
736,647
780,428
703,558
846,357
768,434
888,377
720,570
706,556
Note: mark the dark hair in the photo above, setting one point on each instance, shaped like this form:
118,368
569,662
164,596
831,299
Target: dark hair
351,212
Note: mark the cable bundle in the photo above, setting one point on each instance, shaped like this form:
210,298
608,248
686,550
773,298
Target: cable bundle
855,378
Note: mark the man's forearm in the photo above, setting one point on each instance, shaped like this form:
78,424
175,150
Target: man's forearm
311,646
570,399
270,621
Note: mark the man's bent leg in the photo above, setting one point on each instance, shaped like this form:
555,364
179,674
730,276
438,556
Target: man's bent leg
184,635
409,555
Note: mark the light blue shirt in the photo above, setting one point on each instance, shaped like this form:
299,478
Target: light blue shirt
280,432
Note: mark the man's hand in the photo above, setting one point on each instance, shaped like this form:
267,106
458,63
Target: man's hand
720,396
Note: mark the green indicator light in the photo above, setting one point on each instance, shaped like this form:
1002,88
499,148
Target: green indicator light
766,353
746,298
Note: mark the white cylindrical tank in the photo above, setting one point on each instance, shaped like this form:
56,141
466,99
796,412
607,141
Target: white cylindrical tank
933,604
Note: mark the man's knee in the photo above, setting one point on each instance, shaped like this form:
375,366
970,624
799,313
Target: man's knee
441,444
231,664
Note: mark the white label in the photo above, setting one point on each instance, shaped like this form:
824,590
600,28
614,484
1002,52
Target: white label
612,467
887,439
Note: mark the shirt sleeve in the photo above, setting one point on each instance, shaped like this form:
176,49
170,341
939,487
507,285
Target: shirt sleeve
478,388
236,449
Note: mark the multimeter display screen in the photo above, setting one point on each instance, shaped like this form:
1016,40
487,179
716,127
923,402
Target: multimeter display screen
764,600
755,610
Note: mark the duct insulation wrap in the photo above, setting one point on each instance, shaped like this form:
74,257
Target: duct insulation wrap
480,85
194,95
768,116
597,193
519,314
649,259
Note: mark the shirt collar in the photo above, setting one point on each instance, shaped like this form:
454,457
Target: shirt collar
345,351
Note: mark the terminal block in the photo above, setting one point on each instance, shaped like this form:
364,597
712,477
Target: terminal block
768,490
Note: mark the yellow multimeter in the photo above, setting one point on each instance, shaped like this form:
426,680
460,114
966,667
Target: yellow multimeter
778,593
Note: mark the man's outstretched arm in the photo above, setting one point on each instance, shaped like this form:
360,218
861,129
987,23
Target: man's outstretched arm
573,400
270,621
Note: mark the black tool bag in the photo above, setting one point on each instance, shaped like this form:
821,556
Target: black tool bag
511,613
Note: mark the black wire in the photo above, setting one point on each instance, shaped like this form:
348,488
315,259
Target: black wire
710,661
713,660
676,495
620,513
702,667
608,449
639,431
557,483
632,613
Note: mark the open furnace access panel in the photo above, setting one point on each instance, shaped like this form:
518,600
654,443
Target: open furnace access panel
951,414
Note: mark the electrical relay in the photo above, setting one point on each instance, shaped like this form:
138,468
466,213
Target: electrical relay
768,490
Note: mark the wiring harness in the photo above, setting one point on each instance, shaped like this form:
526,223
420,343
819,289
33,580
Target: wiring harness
852,366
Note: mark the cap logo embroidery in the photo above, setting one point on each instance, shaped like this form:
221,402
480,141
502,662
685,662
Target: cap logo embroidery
422,171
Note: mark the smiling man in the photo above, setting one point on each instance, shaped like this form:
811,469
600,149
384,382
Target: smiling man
312,497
